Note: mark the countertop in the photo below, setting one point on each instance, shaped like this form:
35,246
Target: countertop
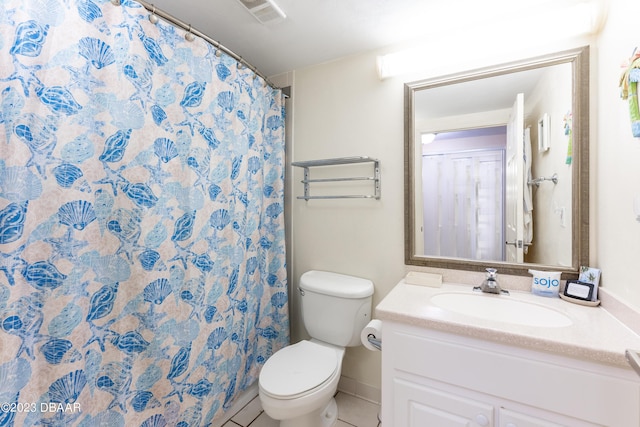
593,335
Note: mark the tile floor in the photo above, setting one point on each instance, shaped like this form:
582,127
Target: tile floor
352,412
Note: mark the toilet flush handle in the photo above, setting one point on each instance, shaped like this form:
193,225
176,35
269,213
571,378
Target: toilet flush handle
301,291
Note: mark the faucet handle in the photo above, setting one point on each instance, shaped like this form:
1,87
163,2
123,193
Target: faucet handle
492,273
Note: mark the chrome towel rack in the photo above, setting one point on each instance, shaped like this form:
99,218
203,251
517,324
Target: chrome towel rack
307,180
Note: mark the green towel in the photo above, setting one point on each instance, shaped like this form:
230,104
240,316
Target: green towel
629,91
634,111
567,131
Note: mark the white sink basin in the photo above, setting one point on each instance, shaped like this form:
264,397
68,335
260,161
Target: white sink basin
501,308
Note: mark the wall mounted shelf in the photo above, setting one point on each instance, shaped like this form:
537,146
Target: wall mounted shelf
375,178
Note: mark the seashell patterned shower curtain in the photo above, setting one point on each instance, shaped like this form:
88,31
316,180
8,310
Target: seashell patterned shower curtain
142,258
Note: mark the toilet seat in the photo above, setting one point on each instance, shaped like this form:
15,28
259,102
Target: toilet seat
298,369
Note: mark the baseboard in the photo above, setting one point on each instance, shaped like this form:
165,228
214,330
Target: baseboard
355,388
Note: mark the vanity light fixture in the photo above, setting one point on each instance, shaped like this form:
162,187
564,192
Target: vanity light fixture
580,18
265,11
406,61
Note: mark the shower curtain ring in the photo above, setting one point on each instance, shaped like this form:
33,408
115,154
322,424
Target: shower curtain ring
116,2
153,18
189,36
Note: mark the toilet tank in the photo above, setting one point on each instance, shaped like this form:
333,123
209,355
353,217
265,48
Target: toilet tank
335,307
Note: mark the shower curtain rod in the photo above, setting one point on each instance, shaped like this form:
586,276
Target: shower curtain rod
190,30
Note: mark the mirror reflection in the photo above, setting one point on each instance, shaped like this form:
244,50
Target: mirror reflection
494,171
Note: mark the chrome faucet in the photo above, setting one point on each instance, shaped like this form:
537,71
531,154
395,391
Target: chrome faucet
490,284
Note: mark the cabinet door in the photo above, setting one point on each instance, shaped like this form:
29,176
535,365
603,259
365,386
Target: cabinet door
509,418
418,405
599,394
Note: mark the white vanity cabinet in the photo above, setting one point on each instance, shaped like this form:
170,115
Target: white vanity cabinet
433,378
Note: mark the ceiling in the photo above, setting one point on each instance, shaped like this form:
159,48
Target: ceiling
323,30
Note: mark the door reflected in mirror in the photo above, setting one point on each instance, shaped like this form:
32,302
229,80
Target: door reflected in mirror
497,167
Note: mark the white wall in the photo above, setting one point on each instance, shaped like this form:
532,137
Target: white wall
615,246
342,109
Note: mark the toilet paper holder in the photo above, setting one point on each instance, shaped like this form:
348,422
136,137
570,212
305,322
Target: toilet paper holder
374,341
371,335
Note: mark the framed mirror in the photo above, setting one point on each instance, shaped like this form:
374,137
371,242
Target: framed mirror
497,167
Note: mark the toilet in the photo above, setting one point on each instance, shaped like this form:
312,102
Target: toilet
297,384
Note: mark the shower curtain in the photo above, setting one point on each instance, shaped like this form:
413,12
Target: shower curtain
463,204
142,259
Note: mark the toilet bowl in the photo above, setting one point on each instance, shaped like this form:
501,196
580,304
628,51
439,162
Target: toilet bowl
297,383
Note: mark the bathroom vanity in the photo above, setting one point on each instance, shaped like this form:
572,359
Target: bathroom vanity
454,357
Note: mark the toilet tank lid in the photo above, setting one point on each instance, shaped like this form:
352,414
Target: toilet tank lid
335,284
